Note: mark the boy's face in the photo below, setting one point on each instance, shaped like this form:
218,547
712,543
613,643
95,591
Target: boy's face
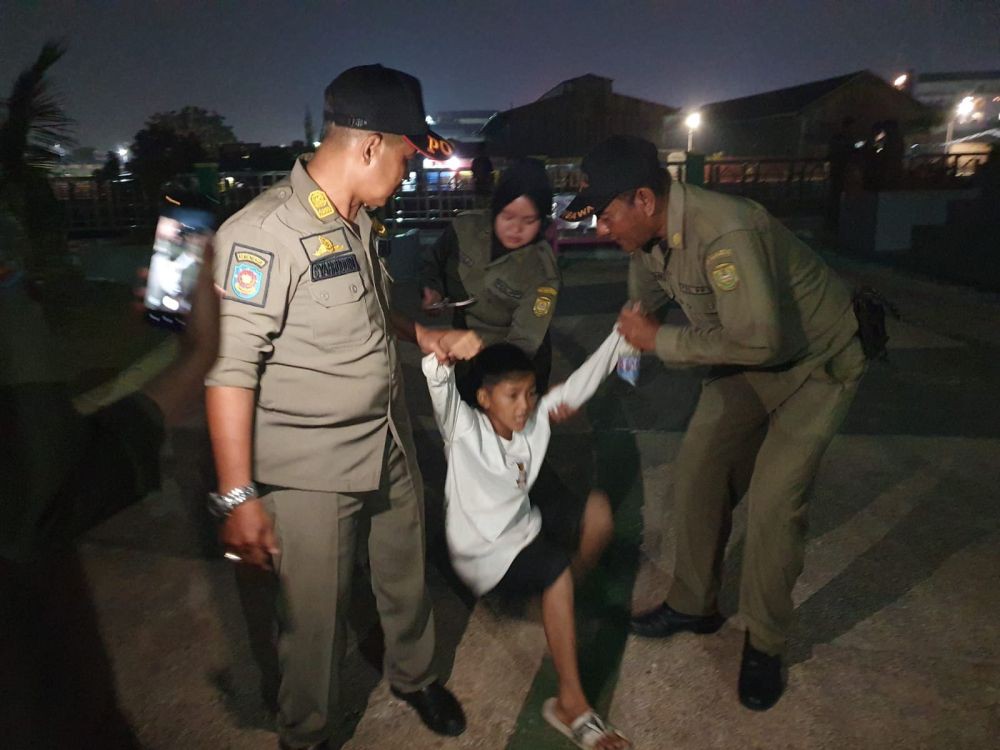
509,403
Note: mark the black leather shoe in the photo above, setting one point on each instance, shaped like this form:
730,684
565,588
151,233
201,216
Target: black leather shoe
761,683
437,707
664,621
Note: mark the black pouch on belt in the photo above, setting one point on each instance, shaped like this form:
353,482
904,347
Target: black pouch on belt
870,308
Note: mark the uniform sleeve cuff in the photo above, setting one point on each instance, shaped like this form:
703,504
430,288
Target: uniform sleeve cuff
434,371
232,373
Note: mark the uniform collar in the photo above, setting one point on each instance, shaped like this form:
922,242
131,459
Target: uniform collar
675,218
510,255
315,202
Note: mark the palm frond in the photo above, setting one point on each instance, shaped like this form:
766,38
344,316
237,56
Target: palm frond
35,122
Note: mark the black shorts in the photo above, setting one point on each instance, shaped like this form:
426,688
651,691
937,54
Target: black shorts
538,565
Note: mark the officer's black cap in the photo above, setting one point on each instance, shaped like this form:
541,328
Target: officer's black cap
614,166
373,97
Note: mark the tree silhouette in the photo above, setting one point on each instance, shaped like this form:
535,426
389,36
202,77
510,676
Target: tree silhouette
160,153
172,142
208,128
111,170
34,123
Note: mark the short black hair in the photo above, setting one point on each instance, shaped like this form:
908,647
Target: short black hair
497,363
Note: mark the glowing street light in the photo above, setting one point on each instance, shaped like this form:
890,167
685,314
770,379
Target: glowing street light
693,122
123,153
964,109
901,81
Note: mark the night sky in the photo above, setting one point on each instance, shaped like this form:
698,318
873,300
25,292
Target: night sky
261,63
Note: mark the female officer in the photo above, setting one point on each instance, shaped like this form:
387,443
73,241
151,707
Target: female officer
499,262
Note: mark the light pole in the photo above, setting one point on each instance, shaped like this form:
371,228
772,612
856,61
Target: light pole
964,109
693,122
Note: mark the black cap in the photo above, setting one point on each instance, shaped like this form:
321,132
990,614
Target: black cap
614,166
373,97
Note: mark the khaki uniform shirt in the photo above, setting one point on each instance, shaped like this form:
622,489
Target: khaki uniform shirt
306,322
756,296
515,293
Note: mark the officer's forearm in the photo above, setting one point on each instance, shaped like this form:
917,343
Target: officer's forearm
230,424
681,346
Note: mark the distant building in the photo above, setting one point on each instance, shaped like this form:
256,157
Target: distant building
799,121
461,125
569,119
946,91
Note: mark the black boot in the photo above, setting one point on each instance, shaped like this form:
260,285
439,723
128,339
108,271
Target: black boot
761,683
664,621
437,707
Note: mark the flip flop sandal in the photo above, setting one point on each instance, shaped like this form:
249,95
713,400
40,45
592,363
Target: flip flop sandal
586,730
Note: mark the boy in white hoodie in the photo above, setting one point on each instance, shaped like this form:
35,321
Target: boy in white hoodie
499,537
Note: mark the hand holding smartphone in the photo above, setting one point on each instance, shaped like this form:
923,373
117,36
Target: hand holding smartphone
185,227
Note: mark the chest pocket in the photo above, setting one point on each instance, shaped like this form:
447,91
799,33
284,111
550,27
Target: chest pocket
502,290
699,308
340,314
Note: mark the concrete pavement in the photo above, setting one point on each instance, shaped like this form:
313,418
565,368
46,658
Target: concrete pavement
896,643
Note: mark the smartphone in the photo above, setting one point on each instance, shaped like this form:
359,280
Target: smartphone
184,229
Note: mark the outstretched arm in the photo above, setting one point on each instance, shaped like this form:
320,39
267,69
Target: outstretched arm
586,379
453,415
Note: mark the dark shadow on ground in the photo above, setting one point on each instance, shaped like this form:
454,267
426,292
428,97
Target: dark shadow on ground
57,681
920,392
950,515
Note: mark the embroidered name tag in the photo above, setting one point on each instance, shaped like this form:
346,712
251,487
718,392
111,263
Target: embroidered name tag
338,265
689,289
501,286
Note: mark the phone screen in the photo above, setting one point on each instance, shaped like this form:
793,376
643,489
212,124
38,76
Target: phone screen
181,236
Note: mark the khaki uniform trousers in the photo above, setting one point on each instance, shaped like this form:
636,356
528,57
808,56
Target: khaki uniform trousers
735,447
317,534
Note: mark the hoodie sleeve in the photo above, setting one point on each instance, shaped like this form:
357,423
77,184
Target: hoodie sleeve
453,416
585,380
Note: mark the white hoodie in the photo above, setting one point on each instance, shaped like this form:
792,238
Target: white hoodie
488,517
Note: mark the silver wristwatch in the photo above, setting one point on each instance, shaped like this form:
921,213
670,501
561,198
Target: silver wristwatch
223,505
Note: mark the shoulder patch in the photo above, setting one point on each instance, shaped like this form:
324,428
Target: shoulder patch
542,306
248,274
325,244
725,277
321,205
